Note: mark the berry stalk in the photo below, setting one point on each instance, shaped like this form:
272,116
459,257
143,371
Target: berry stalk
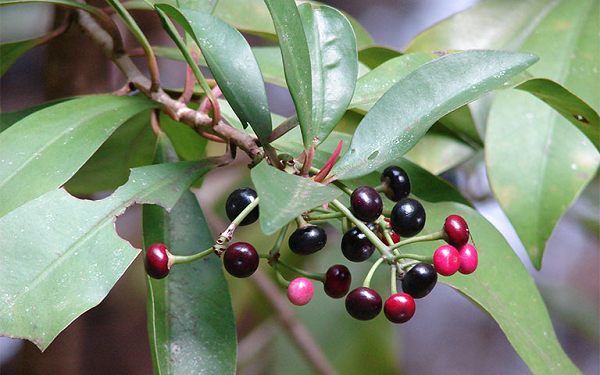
369,276
439,235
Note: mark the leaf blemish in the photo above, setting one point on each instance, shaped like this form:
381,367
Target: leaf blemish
581,118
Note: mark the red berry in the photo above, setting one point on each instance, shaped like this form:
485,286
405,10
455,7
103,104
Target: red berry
456,231
395,236
399,308
156,261
337,281
363,303
300,291
240,259
366,203
468,259
446,260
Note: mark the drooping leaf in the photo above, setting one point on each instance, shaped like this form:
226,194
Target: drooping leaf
46,289
10,52
232,64
334,68
131,145
371,86
191,329
284,196
554,160
407,110
296,58
34,162
376,55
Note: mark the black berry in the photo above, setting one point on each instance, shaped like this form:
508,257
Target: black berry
337,281
396,182
408,217
419,280
156,261
240,259
366,203
308,239
356,246
456,231
237,201
363,303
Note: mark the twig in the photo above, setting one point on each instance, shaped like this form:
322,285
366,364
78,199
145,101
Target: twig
298,332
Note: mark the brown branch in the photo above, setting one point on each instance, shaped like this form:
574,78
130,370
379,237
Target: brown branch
298,332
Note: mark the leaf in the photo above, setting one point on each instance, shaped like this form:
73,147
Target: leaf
407,110
575,110
232,64
284,196
191,328
10,52
376,55
371,86
187,143
296,58
207,6
557,160
34,162
8,119
334,68
47,290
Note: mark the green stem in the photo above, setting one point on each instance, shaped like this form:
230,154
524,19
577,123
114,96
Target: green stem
280,277
332,215
439,235
385,230
309,275
343,187
181,259
273,253
345,225
420,258
369,276
394,287
381,247
245,212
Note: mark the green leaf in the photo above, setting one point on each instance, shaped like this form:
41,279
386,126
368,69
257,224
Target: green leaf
206,6
376,55
8,119
371,86
131,145
188,325
47,290
284,196
35,162
557,160
407,110
296,58
10,52
334,68
188,144
232,64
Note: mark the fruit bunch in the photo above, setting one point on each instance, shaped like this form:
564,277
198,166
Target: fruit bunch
368,229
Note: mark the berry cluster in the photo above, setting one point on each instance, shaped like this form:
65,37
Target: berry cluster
373,230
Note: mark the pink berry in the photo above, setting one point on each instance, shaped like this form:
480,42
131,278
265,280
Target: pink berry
446,260
399,308
468,259
456,231
300,291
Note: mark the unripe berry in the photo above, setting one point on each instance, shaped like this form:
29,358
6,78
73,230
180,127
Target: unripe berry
446,260
156,261
399,308
456,231
468,259
300,291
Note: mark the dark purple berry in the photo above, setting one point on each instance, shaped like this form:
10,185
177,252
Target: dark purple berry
396,182
237,201
366,203
363,303
240,259
156,261
419,280
356,246
337,281
408,217
456,231
308,239
399,308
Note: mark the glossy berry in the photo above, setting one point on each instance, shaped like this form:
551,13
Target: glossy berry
356,246
395,237
156,261
337,281
363,303
240,259
399,308
307,240
408,217
237,201
366,203
300,291
456,231
419,280
446,260
468,259
397,183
